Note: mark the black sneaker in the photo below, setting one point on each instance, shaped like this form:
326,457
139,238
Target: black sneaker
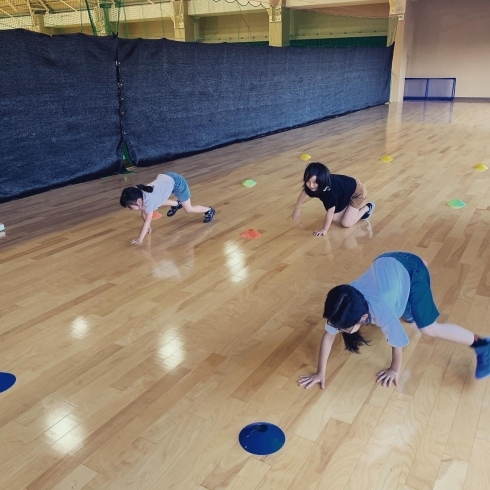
483,360
209,215
369,212
174,209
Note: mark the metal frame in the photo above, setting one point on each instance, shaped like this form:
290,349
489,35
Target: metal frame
426,97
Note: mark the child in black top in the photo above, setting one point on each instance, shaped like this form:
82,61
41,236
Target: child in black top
343,197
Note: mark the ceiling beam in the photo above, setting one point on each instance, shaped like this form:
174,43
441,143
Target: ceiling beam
15,9
30,10
6,13
68,5
48,9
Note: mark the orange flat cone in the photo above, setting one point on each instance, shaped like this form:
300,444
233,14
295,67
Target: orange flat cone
156,216
250,234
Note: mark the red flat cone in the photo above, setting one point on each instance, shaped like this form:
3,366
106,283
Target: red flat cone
156,215
250,234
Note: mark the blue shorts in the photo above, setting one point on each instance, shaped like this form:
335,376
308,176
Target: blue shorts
181,189
421,305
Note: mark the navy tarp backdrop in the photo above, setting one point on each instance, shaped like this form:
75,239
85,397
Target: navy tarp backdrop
182,98
63,119
59,110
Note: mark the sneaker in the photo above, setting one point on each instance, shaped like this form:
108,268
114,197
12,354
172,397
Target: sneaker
209,215
483,360
408,319
369,212
174,209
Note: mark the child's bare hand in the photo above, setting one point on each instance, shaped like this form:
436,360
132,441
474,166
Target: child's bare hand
387,376
308,380
295,215
137,241
320,232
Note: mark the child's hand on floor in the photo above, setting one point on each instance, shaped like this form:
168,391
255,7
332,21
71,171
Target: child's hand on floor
320,232
137,241
308,380
295,214
387,376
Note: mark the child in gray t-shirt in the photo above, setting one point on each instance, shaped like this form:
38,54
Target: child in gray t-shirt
397,285
148,198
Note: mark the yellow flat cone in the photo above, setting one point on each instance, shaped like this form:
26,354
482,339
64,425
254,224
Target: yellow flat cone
480,167
305,157
386,159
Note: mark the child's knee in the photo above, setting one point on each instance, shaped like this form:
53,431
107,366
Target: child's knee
430,330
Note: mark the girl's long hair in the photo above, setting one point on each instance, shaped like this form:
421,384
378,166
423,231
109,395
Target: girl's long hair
353,341
344,308
322,174
130,195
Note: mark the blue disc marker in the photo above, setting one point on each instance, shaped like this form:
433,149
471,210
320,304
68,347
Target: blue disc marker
261,438
7,380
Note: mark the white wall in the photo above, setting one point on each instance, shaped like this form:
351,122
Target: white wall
451,38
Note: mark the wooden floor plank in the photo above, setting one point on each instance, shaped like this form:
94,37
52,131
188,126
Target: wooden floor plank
138,366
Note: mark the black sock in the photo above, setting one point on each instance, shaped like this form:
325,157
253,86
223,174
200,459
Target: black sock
479,342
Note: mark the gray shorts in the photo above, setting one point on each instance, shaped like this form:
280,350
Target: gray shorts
181,189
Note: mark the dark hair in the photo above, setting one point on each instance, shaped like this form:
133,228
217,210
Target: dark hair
130,195
322,174
344,308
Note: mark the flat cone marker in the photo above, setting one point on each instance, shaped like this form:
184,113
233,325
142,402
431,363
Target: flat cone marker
456,203
249,183
386,159
480,167
261,438
7,380
250,234
156,216
305,157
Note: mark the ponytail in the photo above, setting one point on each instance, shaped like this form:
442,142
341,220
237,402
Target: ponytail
353,341
143,187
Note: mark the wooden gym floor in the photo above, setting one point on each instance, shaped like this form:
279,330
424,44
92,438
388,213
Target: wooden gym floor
137,367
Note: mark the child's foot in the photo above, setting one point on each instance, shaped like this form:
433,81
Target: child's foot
209,215
408,319
174,209
483,359
370,210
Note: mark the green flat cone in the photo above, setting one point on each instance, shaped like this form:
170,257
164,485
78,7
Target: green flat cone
249,183
456,203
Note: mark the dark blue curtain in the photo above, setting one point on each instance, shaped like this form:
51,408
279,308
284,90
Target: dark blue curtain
181,98
59,111
66,107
